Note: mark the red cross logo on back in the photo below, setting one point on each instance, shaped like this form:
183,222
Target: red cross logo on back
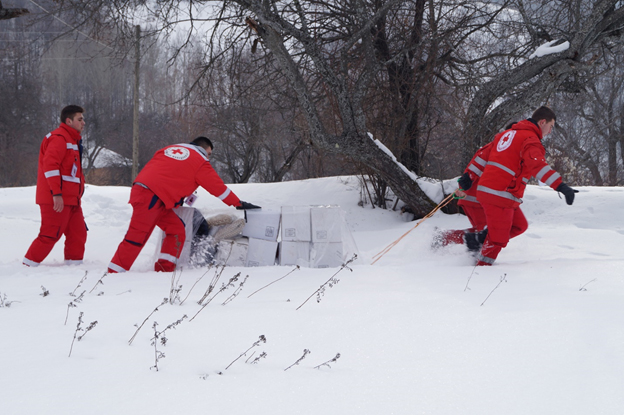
178,153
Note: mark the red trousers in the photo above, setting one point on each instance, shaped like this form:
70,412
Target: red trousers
69,222
475,215
148,212
503,224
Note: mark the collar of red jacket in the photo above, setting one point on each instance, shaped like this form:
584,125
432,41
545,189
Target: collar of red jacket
528,125
73,133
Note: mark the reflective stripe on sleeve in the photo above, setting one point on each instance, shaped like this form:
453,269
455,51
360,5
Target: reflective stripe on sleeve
500,193
71,146
480,161
525,179
52,173
71,179
471,199
225,194
500,166
475,170
552,178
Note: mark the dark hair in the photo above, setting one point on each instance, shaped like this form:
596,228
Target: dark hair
544,113
69,112
203,142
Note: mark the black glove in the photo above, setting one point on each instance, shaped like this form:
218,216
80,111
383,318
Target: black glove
245,206
464,182
568,192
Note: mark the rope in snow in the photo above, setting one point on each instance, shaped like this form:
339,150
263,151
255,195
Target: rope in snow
443,203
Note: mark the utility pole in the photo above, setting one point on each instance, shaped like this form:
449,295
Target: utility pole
135,124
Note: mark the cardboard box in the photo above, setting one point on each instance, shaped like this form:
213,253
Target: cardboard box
294,253
262,224
186,214
232,252
326,255
261,253
296,224
326,224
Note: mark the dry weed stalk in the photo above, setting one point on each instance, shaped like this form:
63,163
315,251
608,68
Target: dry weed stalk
213,284
260,340
73,293
164,301
328,362
281,278
80,329
73,304
503,279
98,282
305,353
224,287
237,291
330,282
160,338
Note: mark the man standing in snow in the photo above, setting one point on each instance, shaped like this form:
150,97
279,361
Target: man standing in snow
172,175
515,156
60,185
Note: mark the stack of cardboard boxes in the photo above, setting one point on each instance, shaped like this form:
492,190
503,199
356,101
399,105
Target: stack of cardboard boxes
311,236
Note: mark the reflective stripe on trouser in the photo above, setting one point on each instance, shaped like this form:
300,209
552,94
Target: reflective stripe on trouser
69,222
503,224
145,217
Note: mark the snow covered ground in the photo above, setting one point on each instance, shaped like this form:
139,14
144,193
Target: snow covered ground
541,332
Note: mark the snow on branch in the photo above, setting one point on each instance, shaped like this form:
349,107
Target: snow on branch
434,189
549,48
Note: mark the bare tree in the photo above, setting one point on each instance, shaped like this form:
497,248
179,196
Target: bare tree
11,13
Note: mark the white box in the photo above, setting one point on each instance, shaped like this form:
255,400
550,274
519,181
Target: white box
326,224
294,253
296,224
262,224
232,252
186,214
326,255
261,253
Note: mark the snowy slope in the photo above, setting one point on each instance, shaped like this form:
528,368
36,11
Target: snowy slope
419,332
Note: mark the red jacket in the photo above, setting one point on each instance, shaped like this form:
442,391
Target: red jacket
475,170
516,156
176,171
60,167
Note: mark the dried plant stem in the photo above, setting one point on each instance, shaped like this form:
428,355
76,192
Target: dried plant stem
224,287
469,278
73,293
193,286
583,287
212,285
328,362
291,271
502,279
164,301
322,287
174,290
98,283
305,353
261,339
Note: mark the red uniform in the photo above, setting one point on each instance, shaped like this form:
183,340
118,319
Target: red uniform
174,173
59,173
516,156
471,206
